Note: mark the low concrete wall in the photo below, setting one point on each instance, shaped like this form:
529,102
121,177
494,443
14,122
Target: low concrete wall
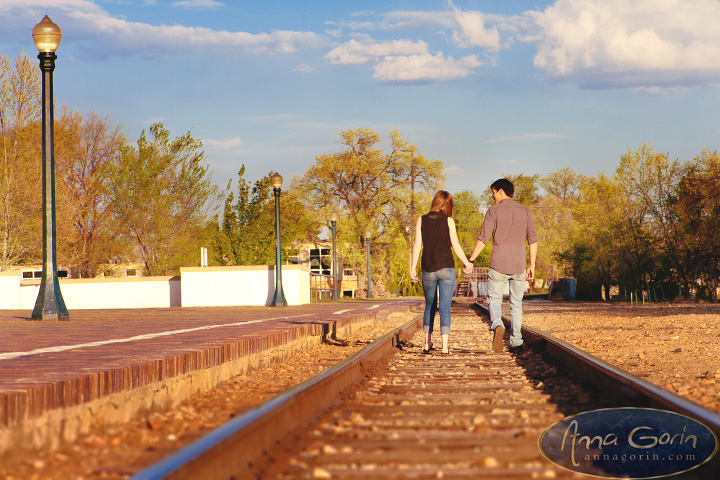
252,285
10,290
195,287
86,293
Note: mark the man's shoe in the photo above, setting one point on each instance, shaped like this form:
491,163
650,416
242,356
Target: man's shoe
517,349
497,344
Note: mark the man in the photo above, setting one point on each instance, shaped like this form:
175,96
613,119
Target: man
510,225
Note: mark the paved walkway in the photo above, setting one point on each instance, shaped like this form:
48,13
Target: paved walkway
47,365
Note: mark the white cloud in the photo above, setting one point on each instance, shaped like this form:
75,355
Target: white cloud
664,91
198,4
412,20
98,32
362,13
304,68
454,170
424,68
226,144
356,52
472,31
529,136
648,43
402,61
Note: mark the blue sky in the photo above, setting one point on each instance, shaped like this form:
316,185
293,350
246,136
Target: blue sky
488,87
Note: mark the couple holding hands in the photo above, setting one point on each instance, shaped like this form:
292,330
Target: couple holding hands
511,226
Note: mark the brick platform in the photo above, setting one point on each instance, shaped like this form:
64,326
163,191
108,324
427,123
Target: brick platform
51,371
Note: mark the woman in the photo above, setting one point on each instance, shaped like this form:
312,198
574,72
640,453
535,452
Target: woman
435,233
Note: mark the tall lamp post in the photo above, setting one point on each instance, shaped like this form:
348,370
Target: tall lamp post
49,304
333,223
367,244
279,298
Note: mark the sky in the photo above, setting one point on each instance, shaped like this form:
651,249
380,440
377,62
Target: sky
490,88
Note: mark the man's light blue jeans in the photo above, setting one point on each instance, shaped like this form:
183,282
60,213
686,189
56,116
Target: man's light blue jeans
442,282
496,287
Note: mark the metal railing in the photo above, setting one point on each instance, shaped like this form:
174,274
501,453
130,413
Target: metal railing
321,287
477,282
479,274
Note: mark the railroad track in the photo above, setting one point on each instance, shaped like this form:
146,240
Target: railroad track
471,414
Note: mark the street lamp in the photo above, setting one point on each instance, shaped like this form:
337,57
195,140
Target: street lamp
333,222
49,304
279,298
367,244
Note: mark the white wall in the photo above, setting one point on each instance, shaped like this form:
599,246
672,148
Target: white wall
251,285
10,290
201,286
132,292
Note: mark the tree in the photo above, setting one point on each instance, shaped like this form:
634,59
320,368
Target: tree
20,170
526,188
593,246
364,181
554,220
649,181
565,185
247,232
84,149
698,209
161,197
374,189
469,213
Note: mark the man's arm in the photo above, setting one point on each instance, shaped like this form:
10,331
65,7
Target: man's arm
476,251
530,273
485,231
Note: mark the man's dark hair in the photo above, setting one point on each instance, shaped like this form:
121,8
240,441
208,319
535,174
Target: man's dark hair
505,185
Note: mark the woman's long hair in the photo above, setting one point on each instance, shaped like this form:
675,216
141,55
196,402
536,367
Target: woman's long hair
442,202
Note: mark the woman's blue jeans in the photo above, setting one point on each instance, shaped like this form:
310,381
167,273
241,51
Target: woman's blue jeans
438,287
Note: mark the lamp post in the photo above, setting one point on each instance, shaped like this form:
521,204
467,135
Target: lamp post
367,244
333,222
49,304
279,298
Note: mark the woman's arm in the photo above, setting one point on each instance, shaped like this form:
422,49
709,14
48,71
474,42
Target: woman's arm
457,248
416,250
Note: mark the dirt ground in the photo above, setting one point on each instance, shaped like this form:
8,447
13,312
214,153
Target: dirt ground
675,346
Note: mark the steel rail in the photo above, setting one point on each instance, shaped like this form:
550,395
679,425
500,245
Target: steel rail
606,376
231,450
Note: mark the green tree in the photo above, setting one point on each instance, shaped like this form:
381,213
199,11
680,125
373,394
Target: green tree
649,181
565,185
161,197
526,188
593,246
366,182
247,232
469,212
553,213
371,188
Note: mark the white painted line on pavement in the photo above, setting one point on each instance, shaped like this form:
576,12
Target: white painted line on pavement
374,306
340,312
63,348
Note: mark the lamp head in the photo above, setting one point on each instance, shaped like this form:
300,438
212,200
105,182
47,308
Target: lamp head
46,35
276,180
333,216
367,233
